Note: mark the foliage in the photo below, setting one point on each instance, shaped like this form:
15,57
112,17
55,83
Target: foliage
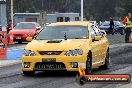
99,9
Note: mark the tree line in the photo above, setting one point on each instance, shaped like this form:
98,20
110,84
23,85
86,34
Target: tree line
98,9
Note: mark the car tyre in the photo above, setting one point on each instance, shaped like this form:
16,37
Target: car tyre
81,80
89,64
107,61
28,73
122,32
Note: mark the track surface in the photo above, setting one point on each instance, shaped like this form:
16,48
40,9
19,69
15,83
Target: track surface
121,63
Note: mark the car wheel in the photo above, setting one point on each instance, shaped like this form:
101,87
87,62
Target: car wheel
81,80
28,73
115,31
122,32
88,64
107,61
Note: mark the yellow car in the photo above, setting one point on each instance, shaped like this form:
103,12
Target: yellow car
66,46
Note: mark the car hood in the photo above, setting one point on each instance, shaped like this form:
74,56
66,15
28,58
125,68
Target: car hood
104,26
119,26
64,45
22,31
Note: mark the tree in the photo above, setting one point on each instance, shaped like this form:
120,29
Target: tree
99,9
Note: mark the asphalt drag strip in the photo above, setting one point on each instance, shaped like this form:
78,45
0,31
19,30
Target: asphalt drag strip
11,76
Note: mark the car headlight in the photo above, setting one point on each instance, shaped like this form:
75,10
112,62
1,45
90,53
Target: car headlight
75,52
28,53
27,35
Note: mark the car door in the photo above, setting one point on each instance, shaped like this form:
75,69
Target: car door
102,44
95,47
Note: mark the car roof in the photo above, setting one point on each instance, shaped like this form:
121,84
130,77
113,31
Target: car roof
74,23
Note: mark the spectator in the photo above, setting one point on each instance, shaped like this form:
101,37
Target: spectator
111,29
127,18
128,30
9,26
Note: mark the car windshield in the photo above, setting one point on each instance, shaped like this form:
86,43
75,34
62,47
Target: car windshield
25,26
105,23
62,32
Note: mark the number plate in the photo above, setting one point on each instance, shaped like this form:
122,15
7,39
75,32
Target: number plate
18,37
49,60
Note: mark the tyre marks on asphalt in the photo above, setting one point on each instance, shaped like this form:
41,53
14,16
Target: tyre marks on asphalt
10,70
38,81
22,82
51,80
113,68
116,39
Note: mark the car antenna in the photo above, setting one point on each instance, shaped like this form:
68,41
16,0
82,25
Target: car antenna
65,36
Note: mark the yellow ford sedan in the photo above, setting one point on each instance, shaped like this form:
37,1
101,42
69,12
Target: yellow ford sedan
66,46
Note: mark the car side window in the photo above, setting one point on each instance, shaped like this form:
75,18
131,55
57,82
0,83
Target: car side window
93,34
98,33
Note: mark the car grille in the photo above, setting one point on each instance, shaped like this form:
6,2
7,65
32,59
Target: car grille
50,52
49,66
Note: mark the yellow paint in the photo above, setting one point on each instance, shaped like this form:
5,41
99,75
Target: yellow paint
98,49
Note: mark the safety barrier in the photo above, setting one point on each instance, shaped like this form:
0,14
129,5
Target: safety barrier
3,45
11,39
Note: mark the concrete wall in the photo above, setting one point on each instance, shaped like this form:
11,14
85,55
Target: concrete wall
22,17
70,15
52,18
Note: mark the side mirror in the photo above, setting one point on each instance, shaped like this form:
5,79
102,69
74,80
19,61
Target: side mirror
38,28
103,32
97,38
29,39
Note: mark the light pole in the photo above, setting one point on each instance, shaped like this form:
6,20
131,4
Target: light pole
12,12
0,14
81,10
42,5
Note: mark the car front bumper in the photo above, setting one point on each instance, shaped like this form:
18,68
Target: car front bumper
20,38
37,63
